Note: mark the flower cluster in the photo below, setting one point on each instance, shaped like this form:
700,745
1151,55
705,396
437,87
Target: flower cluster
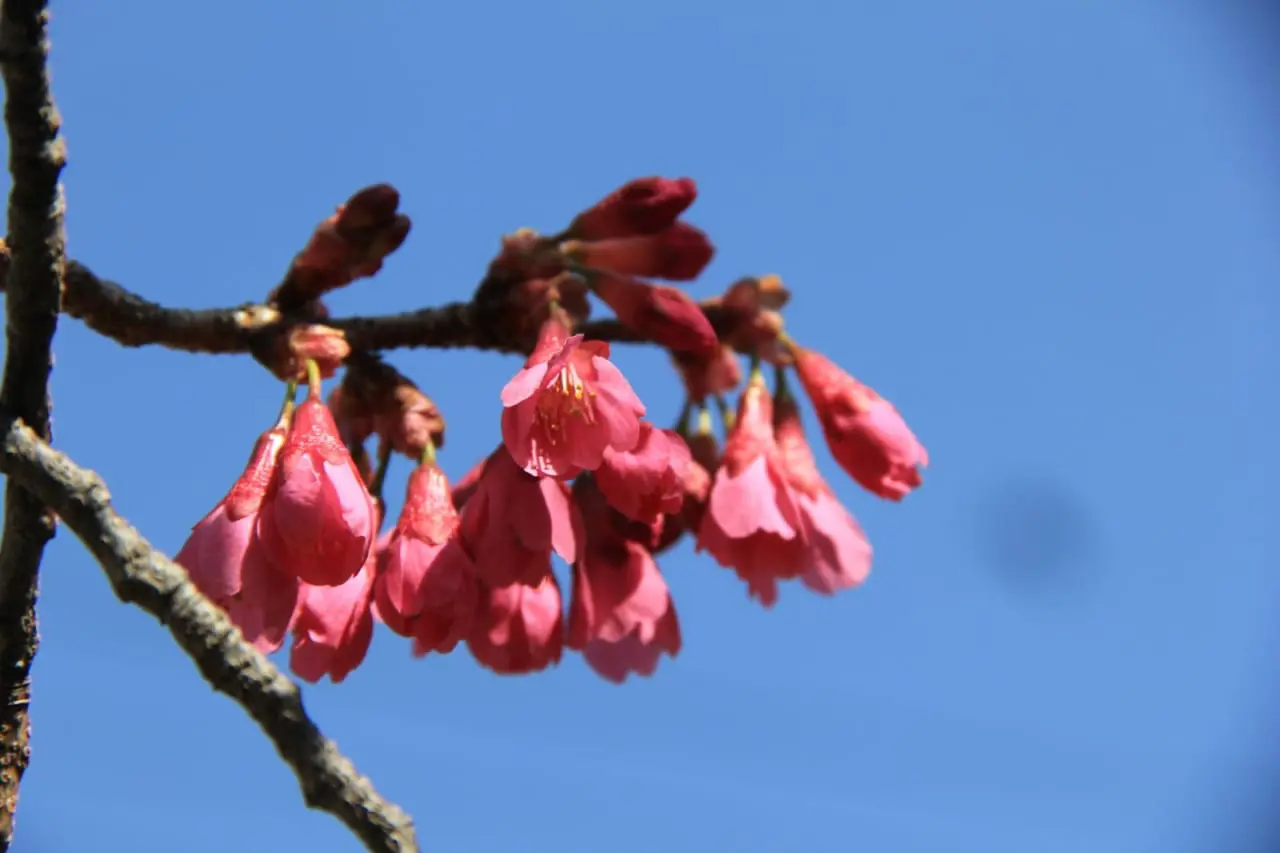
581,472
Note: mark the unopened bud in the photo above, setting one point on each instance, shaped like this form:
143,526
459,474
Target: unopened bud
324,345
408,419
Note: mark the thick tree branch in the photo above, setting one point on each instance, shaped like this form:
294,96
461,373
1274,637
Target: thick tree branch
127,318
35,227
143,576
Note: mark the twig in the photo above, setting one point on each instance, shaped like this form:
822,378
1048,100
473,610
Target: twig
36,157
143,576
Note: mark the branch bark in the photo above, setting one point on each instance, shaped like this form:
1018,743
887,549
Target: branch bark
115,312
141,575
38,256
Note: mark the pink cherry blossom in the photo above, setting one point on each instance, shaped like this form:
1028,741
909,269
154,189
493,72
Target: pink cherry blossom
334,628
648,480
318,521
568,406
519,627
839,554
513,522
752,522
866,434
227,563
621,615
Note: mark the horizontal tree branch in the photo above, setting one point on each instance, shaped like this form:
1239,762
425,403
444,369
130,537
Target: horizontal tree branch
127,318
143,576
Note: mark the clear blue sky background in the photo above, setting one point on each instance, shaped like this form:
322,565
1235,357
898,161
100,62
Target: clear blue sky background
1046,230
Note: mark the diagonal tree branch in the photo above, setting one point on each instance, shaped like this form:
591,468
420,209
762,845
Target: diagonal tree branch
142,575
36,158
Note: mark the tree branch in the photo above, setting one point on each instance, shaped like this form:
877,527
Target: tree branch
36,158
141,575
117,313
125,317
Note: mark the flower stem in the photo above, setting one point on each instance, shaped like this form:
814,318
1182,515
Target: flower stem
313,377
686,412
286,406
727,415
704,420
781,390
380,473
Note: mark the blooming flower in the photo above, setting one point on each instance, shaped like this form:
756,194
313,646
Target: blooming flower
866,434
425,586
334,628
513,522
648,480
519,627
839,554
751,523
318,519
567,406
227,563
621,615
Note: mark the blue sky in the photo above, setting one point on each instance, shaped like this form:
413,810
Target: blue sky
1046,230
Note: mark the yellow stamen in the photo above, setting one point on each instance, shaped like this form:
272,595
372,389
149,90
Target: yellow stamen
566,397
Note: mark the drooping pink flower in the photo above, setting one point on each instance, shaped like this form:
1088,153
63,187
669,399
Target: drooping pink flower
621,616
466,487
679,252
664,315
640,206
647,481
513,522
425,586
866,434
318,521
567,406
227,563
839,554
518,628
696,488
334,627
751,523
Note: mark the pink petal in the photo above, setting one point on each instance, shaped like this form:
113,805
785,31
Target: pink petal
524,385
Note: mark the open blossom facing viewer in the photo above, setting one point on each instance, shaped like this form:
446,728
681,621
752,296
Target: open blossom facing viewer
839,555
752,523
228,564
568,405
513,522
318,521
866,434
